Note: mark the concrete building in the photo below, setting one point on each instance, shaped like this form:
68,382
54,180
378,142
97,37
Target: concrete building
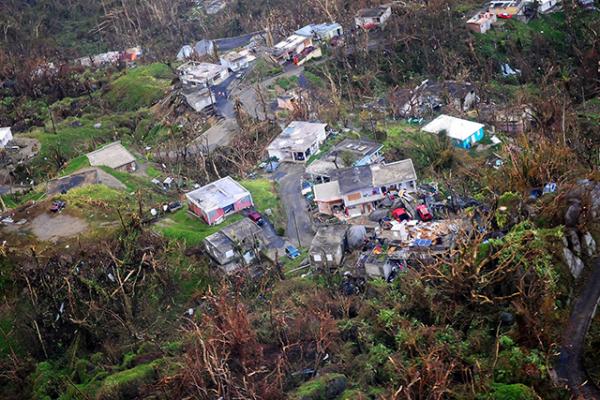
237,60
360,189
328,246
114,156
295,48
462,133
201,75
5,136
323,32
481,22
372,18
215,201
236,245
298,141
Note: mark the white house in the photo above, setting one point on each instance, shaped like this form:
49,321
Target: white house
481,22
298,141
323,32
371,18
201,74
291,46
462,132
5,136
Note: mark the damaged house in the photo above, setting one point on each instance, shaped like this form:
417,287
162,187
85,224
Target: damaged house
298,141
297,49
481,22
373,18
347,153
358,190
201,74
323,32
237,60
217,200
328,246
236,245
430,97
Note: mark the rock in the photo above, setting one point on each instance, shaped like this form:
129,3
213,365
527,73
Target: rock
573,262
507,318
573,213
589,244
574,240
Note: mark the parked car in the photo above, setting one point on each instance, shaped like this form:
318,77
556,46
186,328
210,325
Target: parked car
256,217
306,187
57,206
424,213
400,214
174,206
292,252
505,16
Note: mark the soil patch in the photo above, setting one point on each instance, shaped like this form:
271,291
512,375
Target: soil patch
54,227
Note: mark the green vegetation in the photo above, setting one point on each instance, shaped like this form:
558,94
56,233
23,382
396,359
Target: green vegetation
189,229
139,87
75,165
321,388
314,79
287,83
127,383
516,391
264,69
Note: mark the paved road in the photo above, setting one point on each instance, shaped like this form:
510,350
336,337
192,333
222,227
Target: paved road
570,364
288,176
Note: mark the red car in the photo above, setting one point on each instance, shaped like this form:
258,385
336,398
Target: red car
505,16
400,214
256,217
424,213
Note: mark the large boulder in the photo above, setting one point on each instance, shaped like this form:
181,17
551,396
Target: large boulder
573,262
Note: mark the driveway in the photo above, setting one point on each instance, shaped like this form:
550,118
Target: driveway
299,225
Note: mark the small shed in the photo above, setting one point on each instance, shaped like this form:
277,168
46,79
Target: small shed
328,246
114,156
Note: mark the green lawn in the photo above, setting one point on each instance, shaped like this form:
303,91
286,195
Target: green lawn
182,226
75,165
139,87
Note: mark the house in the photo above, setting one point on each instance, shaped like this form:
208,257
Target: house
198,99
204,48
298,141
512,120
5,136
358,190
481,22
201,74
297,49
235,245
430,97
544,6
288,101
114,156
217,200
347,153
372,18
237,60
98,60
328,246
462,133
323,32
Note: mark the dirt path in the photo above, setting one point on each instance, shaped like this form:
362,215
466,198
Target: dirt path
54,227
570,363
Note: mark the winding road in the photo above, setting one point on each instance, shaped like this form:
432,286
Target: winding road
570,363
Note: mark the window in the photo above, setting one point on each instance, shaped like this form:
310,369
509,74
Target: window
229,254
329,257
317,257
354,196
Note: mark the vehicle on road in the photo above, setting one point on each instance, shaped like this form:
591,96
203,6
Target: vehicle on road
292,252
256,218
400,214
57,206
505,16
424,213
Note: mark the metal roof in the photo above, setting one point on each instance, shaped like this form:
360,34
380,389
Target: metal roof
298,135
456,128
219,193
